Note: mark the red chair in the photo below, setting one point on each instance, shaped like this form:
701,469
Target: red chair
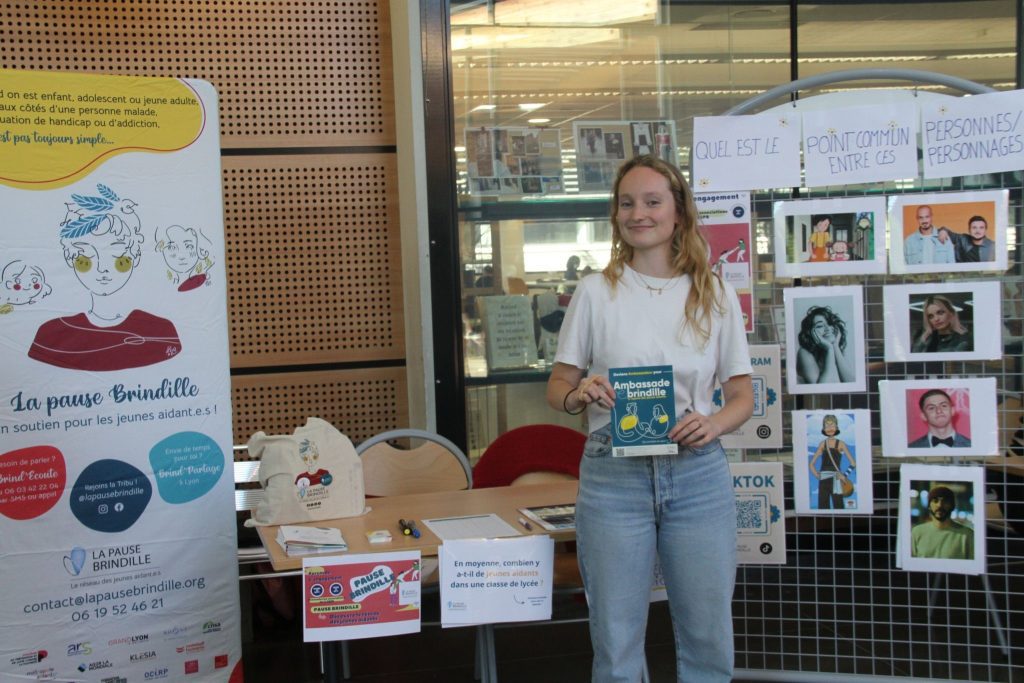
540,448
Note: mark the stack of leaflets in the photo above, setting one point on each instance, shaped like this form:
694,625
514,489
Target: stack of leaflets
552,517
310,540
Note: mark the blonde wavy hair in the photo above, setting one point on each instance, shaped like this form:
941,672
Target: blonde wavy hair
689,248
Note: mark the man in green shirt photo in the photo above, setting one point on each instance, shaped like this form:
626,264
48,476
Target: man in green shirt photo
941,537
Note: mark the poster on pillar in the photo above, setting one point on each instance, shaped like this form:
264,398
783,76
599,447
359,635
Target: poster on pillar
860,144
119,551
725,222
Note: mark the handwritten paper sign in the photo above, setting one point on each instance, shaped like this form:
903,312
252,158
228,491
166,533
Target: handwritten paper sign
971,135
860,144
508,332
491,581
361,596
745,152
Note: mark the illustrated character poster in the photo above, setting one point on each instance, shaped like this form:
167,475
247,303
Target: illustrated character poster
832,462
119,551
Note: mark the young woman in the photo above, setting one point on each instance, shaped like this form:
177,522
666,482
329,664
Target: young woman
656,303
941,328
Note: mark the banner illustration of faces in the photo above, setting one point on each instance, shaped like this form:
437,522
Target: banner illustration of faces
101,240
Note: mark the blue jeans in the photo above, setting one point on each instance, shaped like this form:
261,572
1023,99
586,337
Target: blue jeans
682,508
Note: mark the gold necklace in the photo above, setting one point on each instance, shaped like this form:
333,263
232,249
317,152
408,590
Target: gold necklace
651,288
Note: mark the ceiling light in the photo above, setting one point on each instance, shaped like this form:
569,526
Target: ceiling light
484,107
539,121
531,106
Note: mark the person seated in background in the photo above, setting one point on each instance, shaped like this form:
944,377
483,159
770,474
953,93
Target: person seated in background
572,268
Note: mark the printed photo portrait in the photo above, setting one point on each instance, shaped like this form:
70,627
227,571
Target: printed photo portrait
822,237
643,139
614,147
938,417
590,143
832,462
824,339
939,321
942,519
948,232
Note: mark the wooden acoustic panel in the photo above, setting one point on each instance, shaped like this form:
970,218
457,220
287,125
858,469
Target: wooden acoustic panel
289,74
359,403
313,259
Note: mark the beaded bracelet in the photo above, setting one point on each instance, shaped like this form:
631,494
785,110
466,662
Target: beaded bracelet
565,404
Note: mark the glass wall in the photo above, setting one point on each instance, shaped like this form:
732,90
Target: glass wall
549,96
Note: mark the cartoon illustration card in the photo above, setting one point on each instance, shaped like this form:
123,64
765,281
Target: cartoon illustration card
832,462
824,237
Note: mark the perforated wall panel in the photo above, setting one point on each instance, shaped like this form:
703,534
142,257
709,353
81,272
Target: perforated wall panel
313,259
360,403
288,73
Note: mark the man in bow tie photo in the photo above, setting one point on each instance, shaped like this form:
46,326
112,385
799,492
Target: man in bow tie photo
941,536
937,412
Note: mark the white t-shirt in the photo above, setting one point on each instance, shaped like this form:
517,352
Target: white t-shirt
634,326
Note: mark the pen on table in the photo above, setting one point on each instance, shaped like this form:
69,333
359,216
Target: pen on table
526,524
409,528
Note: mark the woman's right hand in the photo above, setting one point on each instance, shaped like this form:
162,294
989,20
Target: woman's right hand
596,389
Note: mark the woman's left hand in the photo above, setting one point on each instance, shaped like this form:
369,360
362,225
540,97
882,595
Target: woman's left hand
695,430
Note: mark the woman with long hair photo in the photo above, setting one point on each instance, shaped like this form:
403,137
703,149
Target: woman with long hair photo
941,329
825,355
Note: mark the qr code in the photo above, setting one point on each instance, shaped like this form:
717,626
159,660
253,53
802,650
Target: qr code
750,515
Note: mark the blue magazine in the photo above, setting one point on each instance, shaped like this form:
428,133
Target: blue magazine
644,410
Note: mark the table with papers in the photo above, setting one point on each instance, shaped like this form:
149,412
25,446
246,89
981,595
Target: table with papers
384,513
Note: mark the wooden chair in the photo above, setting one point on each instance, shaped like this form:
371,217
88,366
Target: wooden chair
435,465
517,285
